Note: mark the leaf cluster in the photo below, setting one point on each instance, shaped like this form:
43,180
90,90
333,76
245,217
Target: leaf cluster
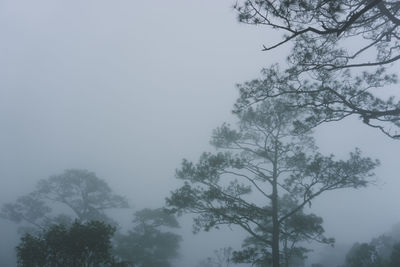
81,244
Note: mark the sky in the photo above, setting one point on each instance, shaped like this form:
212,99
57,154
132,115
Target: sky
127,89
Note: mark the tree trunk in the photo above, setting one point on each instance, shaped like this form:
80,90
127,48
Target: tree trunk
286,253
275,226
274,202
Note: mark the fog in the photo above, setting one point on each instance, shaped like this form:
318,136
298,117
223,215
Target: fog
127,89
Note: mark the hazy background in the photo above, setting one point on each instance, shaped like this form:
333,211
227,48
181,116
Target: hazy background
128,88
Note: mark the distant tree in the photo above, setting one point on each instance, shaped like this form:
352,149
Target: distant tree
266,158
328,39
383,245
81,244
148,244
29,209
75,194
395,255
382,251
363,255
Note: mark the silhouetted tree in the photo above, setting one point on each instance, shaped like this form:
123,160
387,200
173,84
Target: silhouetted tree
330,38
148,244
77,194
372,27
81,244
330,98
266,157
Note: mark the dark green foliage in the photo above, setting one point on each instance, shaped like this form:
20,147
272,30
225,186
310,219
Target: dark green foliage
32,251
148,245
81,244
395,255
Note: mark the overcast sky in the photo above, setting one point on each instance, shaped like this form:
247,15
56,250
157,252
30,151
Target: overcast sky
128,88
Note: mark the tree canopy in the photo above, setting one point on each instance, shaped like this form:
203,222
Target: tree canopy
332,98
148,244
82,244
74,194
267,172
330,26
68,210
363,255
343,47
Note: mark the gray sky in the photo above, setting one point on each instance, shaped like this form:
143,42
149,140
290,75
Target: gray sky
128,88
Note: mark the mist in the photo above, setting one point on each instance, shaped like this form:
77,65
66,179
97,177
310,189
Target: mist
127,89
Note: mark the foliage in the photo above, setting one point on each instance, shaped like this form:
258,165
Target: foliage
147,245
330,98
363,255
395,255
383,251
81,244
265,157
330,38
329,26
295,229
383,245
77,192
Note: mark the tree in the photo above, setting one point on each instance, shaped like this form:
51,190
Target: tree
147,245
363,255
331,98
395,255
383,245
329,39
297,228
267,159
78,194
330,26
382,251
81,244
